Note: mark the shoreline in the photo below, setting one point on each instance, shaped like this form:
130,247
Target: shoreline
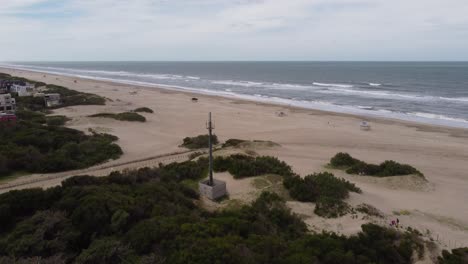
418,121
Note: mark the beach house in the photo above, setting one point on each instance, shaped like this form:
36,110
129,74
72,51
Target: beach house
52,99
7,104
23,89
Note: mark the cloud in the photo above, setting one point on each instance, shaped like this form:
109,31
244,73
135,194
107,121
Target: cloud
234,29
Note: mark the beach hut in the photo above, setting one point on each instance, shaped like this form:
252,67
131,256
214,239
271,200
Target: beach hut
365,125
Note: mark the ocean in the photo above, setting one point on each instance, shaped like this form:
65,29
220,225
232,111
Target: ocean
427,92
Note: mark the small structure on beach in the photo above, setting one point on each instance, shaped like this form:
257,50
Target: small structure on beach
7,104
52,99
211,188
365,125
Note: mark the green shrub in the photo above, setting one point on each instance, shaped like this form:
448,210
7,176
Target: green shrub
324,189
31,116
385,169
343,160
311,187
199,142
126,116
144,109
33,147
56,120
245,166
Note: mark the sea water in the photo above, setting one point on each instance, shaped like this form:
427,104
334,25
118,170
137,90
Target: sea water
429,92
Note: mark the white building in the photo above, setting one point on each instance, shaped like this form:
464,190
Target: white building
7,104
23,89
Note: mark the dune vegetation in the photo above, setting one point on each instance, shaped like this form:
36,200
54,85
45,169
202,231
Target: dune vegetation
198,142
32,147
385,169
125,116
144,110
148,216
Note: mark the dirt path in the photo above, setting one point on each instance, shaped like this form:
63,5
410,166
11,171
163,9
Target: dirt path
49,180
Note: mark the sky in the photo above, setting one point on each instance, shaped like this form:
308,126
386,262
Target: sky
206,30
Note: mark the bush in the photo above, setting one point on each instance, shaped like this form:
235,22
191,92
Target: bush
385,169
233,142
245,166
324,189
324,184
144,109
126,116
32,147
34,117
199,142
56,120
343,160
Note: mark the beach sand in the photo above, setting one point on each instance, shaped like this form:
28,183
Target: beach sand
308,139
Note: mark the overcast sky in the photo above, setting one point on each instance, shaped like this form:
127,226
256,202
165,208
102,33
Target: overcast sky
233,30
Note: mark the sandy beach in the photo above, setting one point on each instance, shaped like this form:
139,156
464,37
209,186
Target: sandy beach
308,139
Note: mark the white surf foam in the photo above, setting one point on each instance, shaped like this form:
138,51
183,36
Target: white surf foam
333,85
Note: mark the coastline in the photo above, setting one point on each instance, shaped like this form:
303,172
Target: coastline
362,112
423,124
308,139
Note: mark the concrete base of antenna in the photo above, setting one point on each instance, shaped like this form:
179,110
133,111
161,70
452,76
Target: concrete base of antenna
212,192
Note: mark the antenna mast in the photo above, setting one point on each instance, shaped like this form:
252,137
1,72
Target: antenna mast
210,128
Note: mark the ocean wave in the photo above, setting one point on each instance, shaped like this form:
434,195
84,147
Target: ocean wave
436,116
238,83
375,84
333,85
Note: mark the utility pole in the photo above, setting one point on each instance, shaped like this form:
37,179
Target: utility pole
210,128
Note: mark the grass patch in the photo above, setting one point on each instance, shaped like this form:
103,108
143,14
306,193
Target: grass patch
260,183
126,116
